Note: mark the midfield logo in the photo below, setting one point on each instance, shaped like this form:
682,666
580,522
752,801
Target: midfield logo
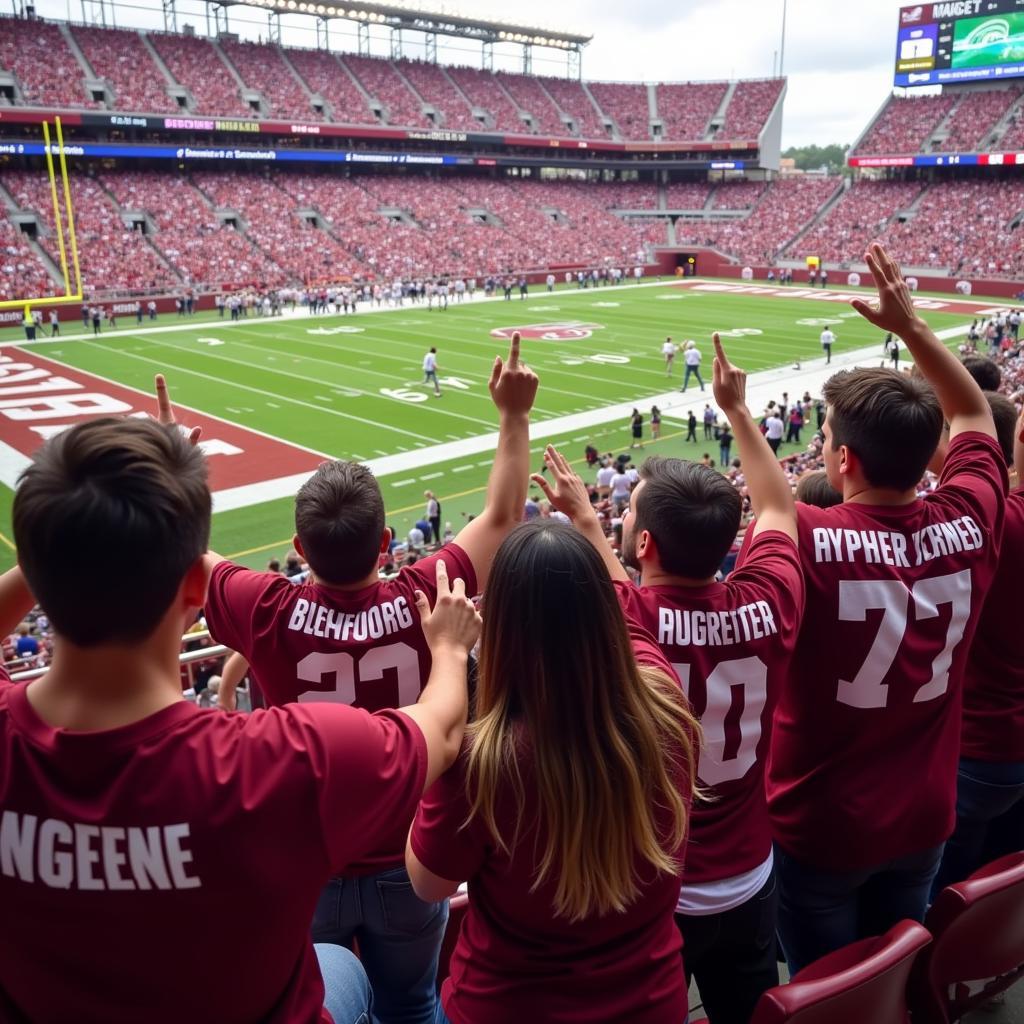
569,330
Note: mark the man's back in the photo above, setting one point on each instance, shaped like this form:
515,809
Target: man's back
993,718
116,846
863,756
730,644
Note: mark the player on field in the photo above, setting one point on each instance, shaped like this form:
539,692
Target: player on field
731,644
827,339
863,758
136,825
668,350
430,371
346,636
990,779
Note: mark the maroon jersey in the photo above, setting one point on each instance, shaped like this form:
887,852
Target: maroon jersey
188,829
993,722
309,642
863,756
730,644
513,955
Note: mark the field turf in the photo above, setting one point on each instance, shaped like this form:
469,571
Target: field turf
351,387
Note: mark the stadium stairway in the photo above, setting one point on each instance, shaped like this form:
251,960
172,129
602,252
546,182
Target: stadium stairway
87,70
175,87
718,118
315,99
244,91
604,118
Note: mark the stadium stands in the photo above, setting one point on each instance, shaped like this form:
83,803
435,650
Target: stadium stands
748,110
196,64
189,234
324,75
905,125
121,57
572,98
41,60
483,89
262,67
627,104
738,195
111,255
21,271
430,82
687,195
384,84
857,219
531,96
787,206
626,195
685,108
974,118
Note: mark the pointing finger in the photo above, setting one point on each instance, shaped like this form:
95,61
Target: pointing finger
513,352
163,401
442,578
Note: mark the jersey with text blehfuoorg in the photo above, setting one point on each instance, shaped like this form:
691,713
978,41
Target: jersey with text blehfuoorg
120,849
863,756
730,644
310,642
993,719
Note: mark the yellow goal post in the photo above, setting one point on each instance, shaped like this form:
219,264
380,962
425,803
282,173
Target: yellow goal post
67,244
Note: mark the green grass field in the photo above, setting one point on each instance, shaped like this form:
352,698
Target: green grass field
352,387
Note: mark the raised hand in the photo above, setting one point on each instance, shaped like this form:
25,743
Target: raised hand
894,310
513,384
730,382
165,414
454,622
566,491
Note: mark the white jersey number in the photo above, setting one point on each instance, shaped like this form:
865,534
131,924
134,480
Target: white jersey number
745,680
372,665
857,597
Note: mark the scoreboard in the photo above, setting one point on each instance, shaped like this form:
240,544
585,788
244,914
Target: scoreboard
960,41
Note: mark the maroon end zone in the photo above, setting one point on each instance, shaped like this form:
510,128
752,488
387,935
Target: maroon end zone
40,397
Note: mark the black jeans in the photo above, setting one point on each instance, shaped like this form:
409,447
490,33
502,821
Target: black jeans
821,911
733,955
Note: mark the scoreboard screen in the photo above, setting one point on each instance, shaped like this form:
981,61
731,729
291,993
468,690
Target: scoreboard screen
960,41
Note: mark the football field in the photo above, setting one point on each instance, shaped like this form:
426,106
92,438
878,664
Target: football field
275,396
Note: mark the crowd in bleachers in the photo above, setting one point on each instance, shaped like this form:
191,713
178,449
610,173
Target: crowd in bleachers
46,69
483,89
572,99
263,68
21,272
195,64
905,124
627,104
120,57
324,75
738,195
685,108
974,117
532,97
582,805
383,83
433,87
748,110
687,195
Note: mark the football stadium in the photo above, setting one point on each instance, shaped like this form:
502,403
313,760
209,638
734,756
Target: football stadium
339,342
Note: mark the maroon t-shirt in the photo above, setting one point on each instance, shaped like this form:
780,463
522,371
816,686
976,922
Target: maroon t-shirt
189,830
993,722
309,642
514,959
863,756
730,644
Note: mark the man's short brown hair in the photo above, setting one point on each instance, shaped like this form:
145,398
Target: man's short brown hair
691,511
108,518
339,517
891,421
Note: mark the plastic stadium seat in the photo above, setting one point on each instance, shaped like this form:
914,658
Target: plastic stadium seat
457,907
978,943
863,983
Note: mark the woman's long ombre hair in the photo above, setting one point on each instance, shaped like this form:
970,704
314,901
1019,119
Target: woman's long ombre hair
606,737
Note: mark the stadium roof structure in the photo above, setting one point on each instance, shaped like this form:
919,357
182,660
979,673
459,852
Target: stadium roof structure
418,17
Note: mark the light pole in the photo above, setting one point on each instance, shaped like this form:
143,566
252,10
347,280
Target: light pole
782,48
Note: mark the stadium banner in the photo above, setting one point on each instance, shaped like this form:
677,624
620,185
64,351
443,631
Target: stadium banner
39,397
959,41
197,123
940,160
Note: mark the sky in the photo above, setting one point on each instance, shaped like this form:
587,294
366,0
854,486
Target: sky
838,54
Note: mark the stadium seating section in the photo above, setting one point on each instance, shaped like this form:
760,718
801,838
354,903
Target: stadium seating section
39,57
264,69
905,125
197,65
121,58
327,77
686,108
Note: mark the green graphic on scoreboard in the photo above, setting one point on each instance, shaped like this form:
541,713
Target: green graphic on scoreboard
988,41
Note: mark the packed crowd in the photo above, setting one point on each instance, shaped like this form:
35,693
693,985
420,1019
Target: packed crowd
905,124
627,104
265,69
46,69
751,104
195,63
121,57
327,77
687,853
686,108
433,86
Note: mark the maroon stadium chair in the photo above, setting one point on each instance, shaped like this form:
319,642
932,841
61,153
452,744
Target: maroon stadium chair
863,983
978,943
457,907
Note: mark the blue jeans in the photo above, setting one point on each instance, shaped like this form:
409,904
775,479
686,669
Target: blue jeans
399,940
989,819
822,911
695,371
347,989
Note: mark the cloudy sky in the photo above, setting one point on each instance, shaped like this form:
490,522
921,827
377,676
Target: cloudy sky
838,57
